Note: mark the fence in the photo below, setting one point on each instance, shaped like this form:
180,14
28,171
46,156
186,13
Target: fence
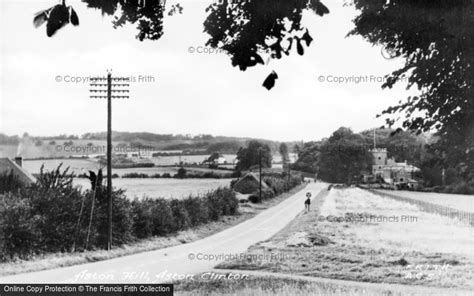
463,216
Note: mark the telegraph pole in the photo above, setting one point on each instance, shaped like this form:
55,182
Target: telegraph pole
96,87
260,179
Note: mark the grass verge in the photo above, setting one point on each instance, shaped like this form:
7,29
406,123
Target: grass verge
250,283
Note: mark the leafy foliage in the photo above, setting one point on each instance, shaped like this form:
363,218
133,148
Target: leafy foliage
147,15
437,42
343,157
9,182
247,29
283,149
250,156
308,157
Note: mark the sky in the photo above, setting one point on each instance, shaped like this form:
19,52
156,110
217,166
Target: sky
337,82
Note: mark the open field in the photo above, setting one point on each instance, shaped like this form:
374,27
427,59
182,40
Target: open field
79,166
455,201
173,160
166,188
399,244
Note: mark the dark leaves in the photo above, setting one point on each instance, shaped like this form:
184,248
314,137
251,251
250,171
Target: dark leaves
176,8
269,82
244,28
56,17
319,8
74,17
299,47
307,38
41,17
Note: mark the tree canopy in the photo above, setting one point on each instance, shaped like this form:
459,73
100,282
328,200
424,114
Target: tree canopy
250,156
343,157
437,41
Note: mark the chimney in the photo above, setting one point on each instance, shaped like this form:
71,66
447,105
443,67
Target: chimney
19,161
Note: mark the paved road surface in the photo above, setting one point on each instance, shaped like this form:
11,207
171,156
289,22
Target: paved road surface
161,265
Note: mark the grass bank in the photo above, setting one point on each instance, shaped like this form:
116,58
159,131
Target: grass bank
270,284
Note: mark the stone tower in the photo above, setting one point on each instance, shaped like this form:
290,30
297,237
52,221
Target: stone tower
380,156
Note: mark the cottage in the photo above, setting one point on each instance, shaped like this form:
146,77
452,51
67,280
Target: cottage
249,184
7,165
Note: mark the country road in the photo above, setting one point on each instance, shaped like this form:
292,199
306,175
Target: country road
170,263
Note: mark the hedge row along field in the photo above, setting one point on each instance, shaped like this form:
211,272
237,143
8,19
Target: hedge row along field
274,185
54,216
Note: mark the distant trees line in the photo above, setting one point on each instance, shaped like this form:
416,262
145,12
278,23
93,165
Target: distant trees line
200,144
185,174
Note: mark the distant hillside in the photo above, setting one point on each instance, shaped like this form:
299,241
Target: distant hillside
33,146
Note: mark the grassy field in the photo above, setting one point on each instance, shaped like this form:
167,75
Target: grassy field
455,201
432,251
165,188
266,286
79,166
247,283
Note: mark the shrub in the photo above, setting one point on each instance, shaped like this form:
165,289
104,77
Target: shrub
181,218
460,188
162,217
197,210
181,173
9,182
221,202
54,216
18,235
246,186
135,175
278,184
142,214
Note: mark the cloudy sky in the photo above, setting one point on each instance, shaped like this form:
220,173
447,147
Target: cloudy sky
189,93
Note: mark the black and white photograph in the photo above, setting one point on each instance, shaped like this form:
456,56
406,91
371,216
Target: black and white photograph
236,147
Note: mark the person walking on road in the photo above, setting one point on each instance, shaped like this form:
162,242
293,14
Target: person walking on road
307,204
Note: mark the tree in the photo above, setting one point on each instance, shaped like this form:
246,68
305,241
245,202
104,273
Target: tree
308,158
250,156
343,156
181,173
214,156
437,41
285,157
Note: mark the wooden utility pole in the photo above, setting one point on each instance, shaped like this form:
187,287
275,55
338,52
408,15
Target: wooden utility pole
109,161
109,97
260,176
